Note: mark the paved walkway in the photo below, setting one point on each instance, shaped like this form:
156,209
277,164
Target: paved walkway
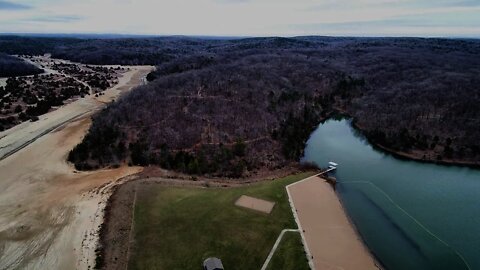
330,240
275,246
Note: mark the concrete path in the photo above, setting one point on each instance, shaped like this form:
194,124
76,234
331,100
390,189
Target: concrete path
275,246
294,211
331,241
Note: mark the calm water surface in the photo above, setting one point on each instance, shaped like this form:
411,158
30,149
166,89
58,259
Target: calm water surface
411,215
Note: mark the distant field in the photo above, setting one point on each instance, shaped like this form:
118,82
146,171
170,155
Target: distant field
289,254
177,228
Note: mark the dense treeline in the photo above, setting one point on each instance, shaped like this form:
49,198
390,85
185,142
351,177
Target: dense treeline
413,96
192,52
124,51
423,98
12,66
217,120
33,45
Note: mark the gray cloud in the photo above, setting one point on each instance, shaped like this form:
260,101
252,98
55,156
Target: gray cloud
386,26
55,19
5,5
348,4
247,17
458,3
231,1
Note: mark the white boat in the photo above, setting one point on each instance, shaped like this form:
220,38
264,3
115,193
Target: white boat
333,164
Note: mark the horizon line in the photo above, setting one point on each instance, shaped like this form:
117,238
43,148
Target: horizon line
231,36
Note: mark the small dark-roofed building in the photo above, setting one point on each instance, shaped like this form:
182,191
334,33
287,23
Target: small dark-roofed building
212,264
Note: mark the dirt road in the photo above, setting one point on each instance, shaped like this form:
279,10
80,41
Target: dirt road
49,214
22,135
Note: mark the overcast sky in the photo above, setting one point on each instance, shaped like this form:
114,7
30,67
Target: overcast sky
447,18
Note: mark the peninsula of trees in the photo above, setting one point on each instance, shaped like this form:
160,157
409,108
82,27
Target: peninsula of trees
234,107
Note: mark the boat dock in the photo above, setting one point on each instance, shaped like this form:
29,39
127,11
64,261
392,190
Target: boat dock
331,167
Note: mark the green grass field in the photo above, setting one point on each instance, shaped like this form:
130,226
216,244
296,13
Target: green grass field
289,254
177,228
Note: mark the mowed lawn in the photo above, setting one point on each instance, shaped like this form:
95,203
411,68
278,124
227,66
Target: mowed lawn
289,254
177,228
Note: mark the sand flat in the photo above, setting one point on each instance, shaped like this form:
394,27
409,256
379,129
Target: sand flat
49,213
330,237
255,204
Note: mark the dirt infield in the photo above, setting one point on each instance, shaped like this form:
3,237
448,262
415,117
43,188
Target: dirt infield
330,236
255,204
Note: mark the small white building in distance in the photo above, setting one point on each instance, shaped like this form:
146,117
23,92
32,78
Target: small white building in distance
212,264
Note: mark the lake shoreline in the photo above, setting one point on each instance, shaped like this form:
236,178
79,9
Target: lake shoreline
394,204
398,154
414,157
327,228
376,258
339,113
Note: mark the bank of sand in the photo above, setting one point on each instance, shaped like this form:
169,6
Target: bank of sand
330,237
49,213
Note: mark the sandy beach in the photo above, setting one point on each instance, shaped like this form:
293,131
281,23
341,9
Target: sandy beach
50,213
330,237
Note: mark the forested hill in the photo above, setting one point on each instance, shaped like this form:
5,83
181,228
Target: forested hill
232,107
125,51
12,66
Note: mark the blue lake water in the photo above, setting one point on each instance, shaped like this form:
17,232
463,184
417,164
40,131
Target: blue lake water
411,215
